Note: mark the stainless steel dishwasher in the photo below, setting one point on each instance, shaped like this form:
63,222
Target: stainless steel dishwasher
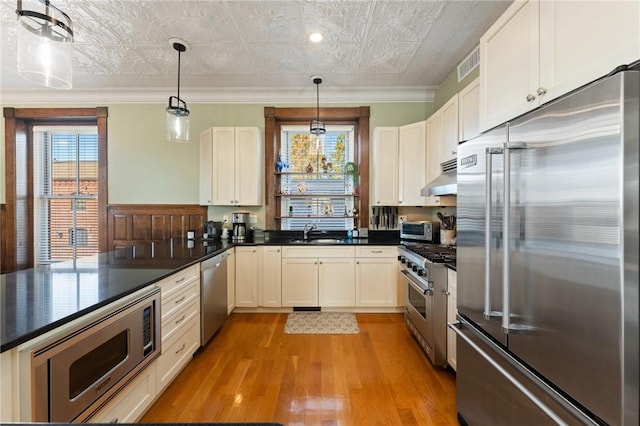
213,296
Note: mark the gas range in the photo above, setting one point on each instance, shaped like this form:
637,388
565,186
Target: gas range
435,253
423,271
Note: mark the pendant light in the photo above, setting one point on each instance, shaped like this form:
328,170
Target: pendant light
177,112
317,127
45,35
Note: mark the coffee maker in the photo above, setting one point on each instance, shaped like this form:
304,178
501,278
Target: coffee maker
239,222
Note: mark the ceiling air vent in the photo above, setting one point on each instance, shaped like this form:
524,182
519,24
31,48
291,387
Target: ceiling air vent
469,63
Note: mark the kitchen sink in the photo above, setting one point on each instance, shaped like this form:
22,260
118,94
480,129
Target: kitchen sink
319,241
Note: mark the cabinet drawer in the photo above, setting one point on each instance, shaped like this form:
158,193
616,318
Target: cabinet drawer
179,280
377,251
324,251
178,318
177,352
176,301
132,401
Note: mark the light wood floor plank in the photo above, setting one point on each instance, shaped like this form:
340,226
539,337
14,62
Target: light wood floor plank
252,372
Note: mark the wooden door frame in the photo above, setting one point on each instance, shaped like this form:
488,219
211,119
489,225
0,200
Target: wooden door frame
19,124
275,118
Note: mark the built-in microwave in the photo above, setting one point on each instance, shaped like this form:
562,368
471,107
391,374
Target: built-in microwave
75,375
422,230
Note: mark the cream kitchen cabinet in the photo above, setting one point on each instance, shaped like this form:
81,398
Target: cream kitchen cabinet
377,276
452,310
398,166
300,281
336,282
539,50
180,308
318,276
469,111
7,413
231,280
412,148
246,276
270,280
442,137
385,185
231,166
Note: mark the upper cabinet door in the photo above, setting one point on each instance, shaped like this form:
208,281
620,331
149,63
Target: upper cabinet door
469,111
582,41
412,141
434,140
449,146
384,167
223,165
509,64
249,170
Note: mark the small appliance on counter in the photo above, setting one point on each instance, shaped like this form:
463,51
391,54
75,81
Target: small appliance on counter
425,231
239,222
211,230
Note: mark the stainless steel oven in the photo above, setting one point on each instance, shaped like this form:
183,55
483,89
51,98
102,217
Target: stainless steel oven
425,308
75,375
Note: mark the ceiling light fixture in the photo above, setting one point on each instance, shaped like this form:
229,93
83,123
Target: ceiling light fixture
315,37
45,35
177,113
317,127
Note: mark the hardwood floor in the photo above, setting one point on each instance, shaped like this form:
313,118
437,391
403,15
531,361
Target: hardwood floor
252,372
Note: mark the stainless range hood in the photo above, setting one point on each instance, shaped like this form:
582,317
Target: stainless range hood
446,183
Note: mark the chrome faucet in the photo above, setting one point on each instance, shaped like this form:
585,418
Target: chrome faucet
308,227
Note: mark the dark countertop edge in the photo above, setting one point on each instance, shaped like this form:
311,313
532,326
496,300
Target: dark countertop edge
6,346
452,267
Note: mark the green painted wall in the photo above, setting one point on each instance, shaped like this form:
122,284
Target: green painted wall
144,168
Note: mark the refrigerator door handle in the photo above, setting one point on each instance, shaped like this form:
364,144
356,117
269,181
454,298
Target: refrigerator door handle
507,327
488,313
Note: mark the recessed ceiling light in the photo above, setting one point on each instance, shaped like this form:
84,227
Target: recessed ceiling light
315,37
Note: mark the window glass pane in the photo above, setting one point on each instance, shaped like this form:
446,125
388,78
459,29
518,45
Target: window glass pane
313,182
66,188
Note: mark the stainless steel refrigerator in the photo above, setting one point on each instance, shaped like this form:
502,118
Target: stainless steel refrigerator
547,261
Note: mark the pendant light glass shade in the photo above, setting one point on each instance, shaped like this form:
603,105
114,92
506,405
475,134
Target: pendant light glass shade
45,38
177,112
317,127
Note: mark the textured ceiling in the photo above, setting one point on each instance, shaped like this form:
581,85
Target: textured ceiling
257,50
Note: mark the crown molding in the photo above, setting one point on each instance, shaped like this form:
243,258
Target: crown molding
219,95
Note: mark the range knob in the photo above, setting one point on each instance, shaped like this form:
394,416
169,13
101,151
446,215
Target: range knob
409,264
420,272
399,258
415,268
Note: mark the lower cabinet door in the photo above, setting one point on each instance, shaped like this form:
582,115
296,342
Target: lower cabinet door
177,352
336,282
131,403
300,281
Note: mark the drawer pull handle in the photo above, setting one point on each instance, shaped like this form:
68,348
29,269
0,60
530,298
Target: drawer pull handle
180,280
180,300
181,349
376,251
181,319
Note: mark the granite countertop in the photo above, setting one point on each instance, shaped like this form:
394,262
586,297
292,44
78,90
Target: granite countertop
35,301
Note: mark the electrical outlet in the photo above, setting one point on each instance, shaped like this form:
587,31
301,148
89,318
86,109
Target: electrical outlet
225,218
403,218
253,218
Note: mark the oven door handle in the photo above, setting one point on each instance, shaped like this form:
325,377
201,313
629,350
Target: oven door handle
416,285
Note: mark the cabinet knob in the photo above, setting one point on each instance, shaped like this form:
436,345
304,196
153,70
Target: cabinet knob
321,262
542,91
530,97
358,262
277,250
